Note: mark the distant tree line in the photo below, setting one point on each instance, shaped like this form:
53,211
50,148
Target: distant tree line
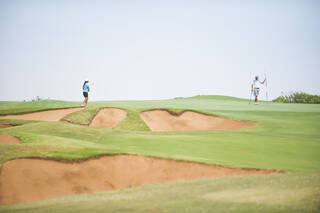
298,97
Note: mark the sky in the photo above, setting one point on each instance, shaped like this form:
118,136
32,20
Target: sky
145,49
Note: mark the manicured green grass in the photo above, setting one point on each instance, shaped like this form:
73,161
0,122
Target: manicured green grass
286,137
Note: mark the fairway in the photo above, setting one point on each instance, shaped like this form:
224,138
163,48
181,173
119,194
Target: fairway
280,137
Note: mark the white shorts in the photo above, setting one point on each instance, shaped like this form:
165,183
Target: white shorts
256,91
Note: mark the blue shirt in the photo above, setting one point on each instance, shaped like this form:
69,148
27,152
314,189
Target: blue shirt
86,87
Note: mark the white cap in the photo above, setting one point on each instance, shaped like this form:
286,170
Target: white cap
87,79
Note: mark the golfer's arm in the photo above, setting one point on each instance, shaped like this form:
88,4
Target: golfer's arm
88,89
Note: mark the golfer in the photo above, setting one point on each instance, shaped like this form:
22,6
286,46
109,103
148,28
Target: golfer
256,89
85,89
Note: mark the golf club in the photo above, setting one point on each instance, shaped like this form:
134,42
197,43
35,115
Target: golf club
266,83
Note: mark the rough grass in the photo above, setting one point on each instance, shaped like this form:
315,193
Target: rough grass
84,116
132,122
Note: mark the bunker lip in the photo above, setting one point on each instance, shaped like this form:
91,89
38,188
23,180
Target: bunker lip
43,115
6,126
41,110
8,139
54,178
99,156
108,117
188,120
174,113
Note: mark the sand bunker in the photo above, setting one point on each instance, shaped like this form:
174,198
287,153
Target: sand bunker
108,117
8,139
48,115
25,180
5,126
163,120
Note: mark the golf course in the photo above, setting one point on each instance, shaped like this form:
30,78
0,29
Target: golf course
126,156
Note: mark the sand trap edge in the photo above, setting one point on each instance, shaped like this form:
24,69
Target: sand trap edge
179,113
41,110
190,110
92,118
4,126
16,140
31,120
97,157
76,180
106,108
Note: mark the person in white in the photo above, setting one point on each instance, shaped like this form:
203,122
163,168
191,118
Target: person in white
255,88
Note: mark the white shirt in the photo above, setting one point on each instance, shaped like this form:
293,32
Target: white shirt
256,83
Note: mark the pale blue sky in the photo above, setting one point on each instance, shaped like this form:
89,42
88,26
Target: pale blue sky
157,49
